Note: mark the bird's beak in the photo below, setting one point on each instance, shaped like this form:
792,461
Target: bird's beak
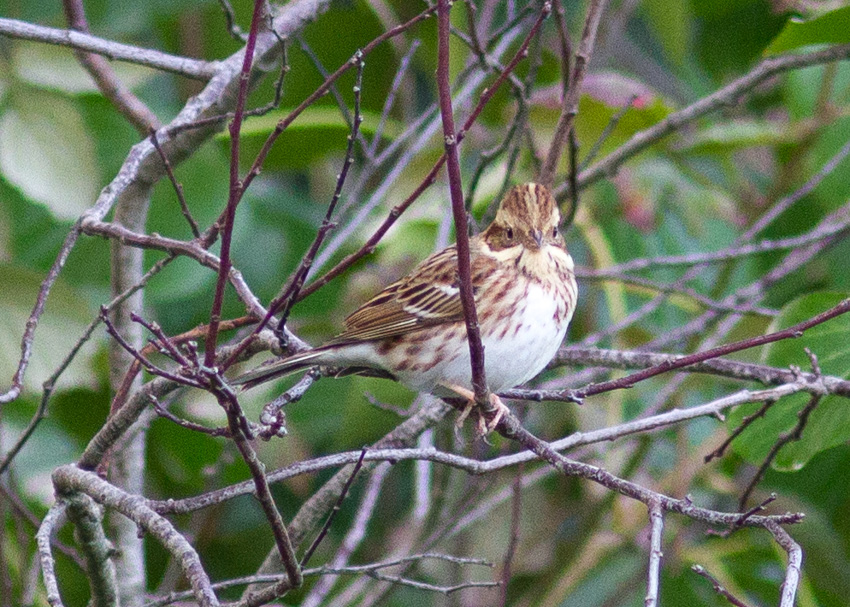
538,237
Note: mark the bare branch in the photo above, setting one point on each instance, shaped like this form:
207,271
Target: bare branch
139,165
656,524
516,514
49,526
630,380
396,212
795,562
182,66
723,97
98,551
839,225
464,269
354,537
237,187
783,439
69,479
178,188
511,428
130,106
32,322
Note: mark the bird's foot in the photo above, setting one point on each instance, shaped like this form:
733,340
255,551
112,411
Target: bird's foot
485,427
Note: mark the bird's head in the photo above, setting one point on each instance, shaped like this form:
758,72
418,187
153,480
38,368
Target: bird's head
527,218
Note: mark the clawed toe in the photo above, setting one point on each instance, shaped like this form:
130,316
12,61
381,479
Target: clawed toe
484,427
501,409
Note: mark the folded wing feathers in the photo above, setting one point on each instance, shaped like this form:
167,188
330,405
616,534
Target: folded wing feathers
277,368
428,296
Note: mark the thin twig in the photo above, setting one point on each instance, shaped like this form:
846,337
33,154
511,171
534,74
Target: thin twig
340,102
272,411
606,132
282,304
516,514
230,20
744,516
354,537
32,322
142,359
25,514
236,189
671,289
745,423
178,187
49,385
820,232
337,506
389,102
783,439
570,106
630,380
163,412
281,126
237,422
718,587
347,570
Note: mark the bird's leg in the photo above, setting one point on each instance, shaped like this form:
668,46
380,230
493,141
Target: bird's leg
469,395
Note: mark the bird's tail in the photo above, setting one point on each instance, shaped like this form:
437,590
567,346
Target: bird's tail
277,368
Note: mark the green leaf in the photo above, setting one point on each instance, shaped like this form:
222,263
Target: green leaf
57,68
315,133
46,152
63,322
672,24
605,94
832,27
731,136
829,423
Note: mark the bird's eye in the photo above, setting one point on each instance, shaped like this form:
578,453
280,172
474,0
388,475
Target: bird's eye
555,232
510,233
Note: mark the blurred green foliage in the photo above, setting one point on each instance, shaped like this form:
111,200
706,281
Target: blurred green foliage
695,191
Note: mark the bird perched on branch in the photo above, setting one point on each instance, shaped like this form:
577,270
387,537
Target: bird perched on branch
414,330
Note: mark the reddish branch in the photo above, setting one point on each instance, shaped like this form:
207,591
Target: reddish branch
236,423
236,186
289,294
464,270
630,380
369,247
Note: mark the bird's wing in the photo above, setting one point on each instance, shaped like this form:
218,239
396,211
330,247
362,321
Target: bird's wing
427,296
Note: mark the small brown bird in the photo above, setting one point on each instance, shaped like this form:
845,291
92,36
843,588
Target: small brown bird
414,331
